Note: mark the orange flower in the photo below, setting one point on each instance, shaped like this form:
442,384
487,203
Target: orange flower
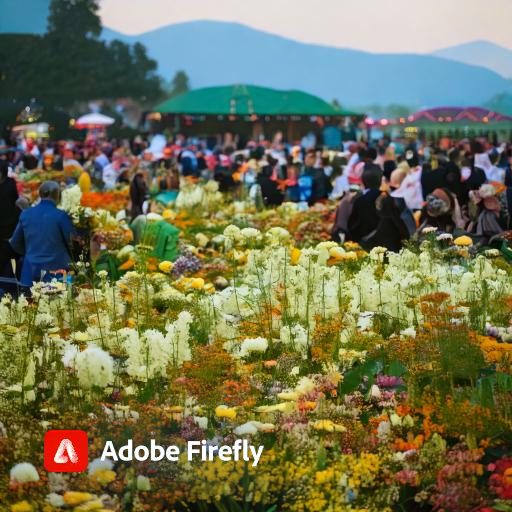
127,265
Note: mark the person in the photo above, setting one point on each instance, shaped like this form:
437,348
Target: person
320,186
270,192
453,177
8,197
395,225
9,214
110,173
411,188
43,236
138,194
481,164
389,162
339,230
363,217
487,220
441,211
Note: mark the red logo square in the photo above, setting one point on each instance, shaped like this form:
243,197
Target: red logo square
66,451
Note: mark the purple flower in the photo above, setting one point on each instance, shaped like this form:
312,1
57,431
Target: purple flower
389,381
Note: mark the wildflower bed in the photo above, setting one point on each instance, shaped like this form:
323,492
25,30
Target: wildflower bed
375,381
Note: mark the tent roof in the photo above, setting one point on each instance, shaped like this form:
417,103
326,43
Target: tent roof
458,114
247,100
93,120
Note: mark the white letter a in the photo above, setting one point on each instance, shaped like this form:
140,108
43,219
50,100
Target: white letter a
65,446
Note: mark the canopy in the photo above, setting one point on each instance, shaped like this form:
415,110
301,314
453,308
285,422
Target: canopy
93,120
248,100
464,115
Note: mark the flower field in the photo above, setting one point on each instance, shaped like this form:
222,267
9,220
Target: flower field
375,382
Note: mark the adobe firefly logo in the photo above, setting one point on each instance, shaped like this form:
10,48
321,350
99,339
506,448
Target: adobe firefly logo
66,451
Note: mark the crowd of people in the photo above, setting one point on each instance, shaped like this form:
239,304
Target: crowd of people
388,191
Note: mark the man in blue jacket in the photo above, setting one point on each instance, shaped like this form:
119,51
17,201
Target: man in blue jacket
43,237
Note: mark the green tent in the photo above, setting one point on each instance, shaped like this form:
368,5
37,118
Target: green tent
247,100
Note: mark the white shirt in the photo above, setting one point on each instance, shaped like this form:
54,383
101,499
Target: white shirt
109,176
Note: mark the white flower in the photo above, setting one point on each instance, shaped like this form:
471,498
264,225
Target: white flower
94,367
395,419
246,429
409,332
202,240
444,236
296,336
250,233
143,483
253,345
212,186
233,232
44,320
202,422
24,472
99,465
295,371
70,199
278,235
383,430
55,500
375,392
377,253
365,320
428,229
178,334
305,386
153,217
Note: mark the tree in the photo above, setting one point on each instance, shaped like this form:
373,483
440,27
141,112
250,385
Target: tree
74,19
179,84
71,64
336,104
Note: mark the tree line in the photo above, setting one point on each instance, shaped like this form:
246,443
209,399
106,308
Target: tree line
70,63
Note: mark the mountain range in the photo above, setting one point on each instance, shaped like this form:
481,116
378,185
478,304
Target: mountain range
481,53
219,53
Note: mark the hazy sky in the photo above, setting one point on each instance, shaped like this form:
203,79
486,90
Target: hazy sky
373,25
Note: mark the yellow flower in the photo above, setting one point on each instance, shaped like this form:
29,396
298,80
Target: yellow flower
95,505
197,283
168,214
463,241
209,287
295,255
22,506
337,253
165,266
223,411
282,407
328,426
288,395
130,323
75,498
103,476
240,257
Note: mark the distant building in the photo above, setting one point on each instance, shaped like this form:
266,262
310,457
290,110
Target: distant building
249,111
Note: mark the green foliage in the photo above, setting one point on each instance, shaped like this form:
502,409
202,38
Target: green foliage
179,84
354,377
69,63
74,20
